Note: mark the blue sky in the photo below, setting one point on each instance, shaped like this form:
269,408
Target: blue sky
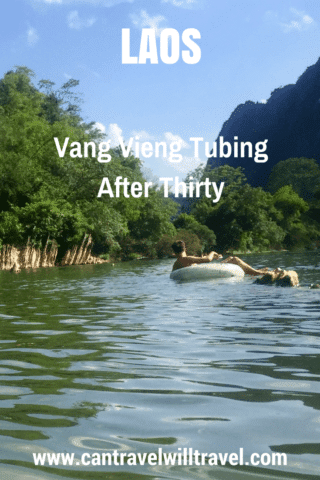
248,48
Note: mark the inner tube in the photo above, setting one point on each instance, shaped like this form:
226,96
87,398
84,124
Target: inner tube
207,270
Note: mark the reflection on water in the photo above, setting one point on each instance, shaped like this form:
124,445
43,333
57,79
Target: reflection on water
98,358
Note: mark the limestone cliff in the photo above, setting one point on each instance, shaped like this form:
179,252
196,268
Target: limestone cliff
290,121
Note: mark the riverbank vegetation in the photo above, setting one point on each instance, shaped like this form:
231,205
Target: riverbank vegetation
46,198
252,219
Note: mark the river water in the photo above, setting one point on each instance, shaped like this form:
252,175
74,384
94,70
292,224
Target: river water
100,358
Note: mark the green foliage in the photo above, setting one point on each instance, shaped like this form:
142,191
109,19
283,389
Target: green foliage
141,248
39,220
289,203
105,256
313,216
132,256
43,195
153,217
197,174
248,218
291,208
303,174
206,236
163,246
11,230
244,220
233,179
107,226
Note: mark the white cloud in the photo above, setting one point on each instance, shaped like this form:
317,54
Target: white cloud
75,22
100,126
263,100
143,20
170,137
114,133
186,163
167,137
32,36
301,20
183,3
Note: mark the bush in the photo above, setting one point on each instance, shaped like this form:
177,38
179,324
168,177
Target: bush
11,230
143,248
206,236
132,256
163,247
105,256
37,221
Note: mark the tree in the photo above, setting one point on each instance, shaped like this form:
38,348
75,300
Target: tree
154,218
233,179
291,207
43,194
245,220
188,222
303,174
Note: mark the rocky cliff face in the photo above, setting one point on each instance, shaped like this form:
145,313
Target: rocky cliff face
290,121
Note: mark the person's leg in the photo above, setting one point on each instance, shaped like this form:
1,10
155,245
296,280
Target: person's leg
279,277
245,266
287,278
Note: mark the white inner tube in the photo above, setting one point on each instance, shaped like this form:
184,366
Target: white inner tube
207,270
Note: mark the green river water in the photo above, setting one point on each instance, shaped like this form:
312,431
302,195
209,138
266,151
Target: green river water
100,358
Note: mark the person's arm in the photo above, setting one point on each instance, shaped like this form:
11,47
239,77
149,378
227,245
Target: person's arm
205,259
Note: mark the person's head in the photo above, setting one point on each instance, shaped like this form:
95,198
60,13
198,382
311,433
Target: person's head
179,246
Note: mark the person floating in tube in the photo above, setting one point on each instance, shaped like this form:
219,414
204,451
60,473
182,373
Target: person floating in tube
276,277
